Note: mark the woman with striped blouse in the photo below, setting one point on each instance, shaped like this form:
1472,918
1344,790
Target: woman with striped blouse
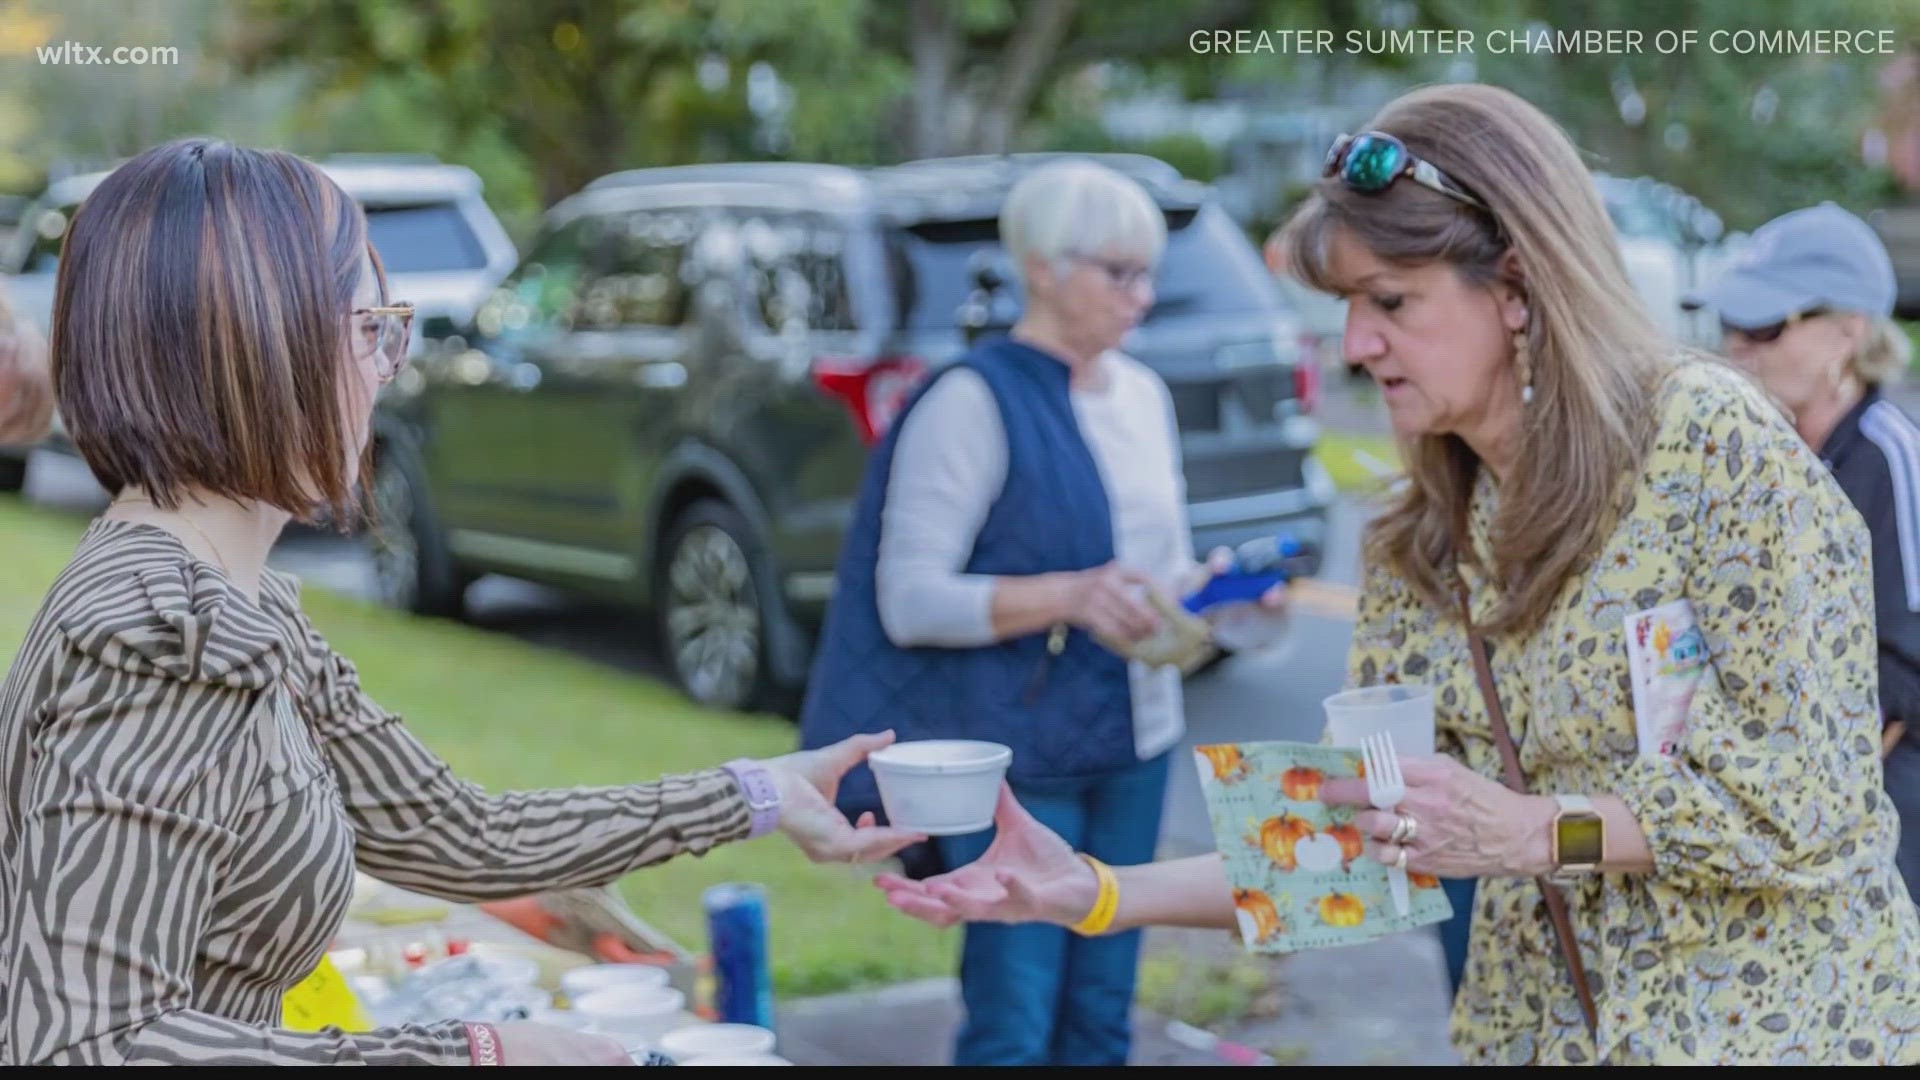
191,773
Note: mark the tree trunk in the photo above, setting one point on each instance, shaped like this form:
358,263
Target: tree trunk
933,43
1035,41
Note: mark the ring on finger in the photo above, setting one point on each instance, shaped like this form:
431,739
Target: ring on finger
1404,828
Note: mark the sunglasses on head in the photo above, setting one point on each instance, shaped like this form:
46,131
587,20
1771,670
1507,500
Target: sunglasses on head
1771,332
1372,161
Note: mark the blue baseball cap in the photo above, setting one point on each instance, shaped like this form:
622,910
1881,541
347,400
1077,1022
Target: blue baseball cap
1820,256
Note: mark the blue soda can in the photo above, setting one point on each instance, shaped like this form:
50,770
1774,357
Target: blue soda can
742,969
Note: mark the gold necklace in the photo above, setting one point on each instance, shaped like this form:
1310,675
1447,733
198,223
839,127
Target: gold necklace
204,538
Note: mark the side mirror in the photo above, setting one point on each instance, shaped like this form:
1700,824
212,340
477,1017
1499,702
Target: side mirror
986,272
979,312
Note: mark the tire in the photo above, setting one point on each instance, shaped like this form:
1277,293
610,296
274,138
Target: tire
711,604
13,473
413,567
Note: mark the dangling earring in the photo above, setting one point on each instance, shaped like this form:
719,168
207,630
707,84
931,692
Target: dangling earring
1523,366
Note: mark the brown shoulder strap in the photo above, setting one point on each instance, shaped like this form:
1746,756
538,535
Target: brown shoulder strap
1510,764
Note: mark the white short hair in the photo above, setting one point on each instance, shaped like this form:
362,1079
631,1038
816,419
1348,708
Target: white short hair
1079,207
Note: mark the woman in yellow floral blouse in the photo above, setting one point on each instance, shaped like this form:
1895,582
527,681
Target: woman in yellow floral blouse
1577,469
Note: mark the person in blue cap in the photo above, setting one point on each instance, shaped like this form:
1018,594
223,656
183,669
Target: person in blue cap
1807,310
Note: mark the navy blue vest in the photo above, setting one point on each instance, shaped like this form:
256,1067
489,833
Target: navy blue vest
1064,715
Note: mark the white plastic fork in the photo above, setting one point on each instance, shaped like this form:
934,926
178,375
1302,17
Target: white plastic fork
1386,786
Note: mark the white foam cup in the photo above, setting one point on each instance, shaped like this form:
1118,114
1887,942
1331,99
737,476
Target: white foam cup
632,1014
1403,710
585,980
697,1041
941,787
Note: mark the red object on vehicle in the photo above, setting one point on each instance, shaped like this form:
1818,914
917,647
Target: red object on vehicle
875,390
1306,374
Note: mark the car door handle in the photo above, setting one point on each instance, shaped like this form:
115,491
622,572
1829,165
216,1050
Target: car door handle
662,375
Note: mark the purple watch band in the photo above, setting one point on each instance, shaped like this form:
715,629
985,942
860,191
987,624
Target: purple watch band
763,795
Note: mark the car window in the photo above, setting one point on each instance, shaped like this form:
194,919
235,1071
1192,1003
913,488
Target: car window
796,276
424,238
544,291
1209,268
645,254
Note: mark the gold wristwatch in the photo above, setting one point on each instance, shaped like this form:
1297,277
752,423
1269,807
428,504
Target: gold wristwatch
1579,835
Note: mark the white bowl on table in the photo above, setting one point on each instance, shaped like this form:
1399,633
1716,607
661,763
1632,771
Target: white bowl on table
697,1041
636,1015
940,787
585,980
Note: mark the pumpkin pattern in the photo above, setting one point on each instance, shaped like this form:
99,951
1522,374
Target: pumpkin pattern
1352,843
1278,837
1774,928
1301,783
1259,917
1226,760
1342,909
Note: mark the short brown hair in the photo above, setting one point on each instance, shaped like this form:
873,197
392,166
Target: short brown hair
199,325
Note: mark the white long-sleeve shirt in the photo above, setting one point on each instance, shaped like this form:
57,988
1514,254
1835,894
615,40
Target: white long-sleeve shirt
948,468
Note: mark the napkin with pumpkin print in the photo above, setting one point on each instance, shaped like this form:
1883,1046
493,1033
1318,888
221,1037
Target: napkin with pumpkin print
1300,871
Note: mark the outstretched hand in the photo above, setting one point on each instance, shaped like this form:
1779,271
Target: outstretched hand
808,782
1029,874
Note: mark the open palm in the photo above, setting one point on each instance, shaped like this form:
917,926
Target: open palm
1028,874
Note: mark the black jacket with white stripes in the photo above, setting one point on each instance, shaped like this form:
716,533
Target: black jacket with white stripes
1874,453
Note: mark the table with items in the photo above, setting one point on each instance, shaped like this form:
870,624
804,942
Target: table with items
579,959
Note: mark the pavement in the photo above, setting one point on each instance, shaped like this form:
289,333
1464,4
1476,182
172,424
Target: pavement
1383,1003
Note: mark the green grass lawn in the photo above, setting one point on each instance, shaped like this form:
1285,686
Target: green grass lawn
510,715
1342,454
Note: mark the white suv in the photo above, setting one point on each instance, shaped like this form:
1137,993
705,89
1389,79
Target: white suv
443,246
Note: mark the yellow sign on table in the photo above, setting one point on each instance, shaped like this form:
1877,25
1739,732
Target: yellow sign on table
322,1000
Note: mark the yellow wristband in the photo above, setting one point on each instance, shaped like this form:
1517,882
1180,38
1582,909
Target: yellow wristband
1105,906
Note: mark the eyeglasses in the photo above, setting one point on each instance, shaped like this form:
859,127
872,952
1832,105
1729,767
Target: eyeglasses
381,334
1371,161
1120,274
1763,335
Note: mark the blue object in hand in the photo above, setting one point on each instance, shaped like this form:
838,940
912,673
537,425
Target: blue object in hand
1234,588
1258,565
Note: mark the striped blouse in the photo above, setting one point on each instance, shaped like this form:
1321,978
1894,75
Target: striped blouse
191,778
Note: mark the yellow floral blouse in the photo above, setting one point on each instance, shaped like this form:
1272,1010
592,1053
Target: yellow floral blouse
1774,928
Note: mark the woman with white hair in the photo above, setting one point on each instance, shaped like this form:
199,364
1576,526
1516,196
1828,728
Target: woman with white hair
1009,524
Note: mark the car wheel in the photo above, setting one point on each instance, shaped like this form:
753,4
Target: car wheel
13,473
412,567
710,599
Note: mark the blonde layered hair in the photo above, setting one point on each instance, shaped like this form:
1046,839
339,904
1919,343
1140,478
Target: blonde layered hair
1882,360
1596,358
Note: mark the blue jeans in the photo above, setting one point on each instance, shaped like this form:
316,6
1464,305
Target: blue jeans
1456,933
1037,994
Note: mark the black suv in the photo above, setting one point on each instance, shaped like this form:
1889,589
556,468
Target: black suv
670,401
